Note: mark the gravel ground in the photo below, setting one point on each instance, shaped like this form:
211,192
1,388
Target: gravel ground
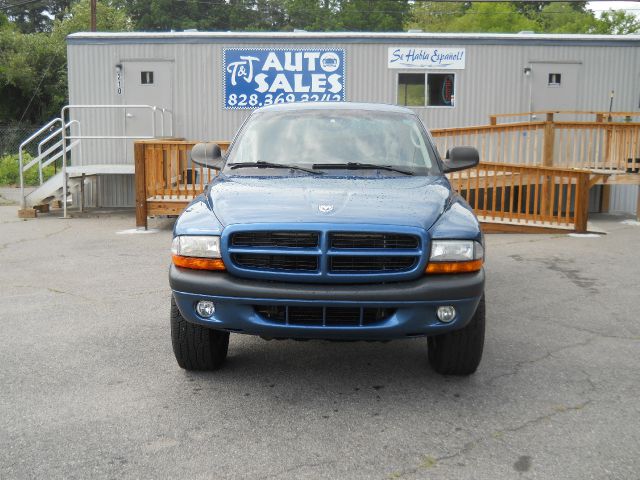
90,388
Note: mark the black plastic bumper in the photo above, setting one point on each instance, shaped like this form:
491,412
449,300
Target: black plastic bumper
427,288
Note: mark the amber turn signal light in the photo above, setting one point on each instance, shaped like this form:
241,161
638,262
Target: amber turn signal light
454,267
198,263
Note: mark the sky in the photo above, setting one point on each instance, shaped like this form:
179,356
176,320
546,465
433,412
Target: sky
632,7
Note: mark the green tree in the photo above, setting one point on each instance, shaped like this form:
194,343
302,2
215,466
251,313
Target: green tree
618,22
509,17
375,16
564,18
312,15
33,67
35,16
492,18
435,16
166,15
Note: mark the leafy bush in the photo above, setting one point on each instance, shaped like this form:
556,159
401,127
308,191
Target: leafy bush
9,171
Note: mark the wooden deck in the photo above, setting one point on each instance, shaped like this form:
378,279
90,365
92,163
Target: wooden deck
534,176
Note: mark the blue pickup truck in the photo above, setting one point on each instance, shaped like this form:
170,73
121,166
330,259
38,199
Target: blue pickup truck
329,221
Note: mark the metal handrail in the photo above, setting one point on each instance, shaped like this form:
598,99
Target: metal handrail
51,149
163,111
20,158
67,108
69,140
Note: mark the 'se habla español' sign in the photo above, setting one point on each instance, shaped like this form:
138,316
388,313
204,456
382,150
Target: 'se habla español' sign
427,57
254,77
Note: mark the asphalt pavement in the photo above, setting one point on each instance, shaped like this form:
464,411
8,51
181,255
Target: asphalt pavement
89,387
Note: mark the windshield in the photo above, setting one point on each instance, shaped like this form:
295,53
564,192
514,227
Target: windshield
318,137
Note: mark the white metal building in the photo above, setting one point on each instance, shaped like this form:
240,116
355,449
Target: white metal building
209,82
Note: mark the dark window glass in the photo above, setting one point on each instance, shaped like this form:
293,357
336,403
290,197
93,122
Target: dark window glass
555,79
146,78
411,91
441,89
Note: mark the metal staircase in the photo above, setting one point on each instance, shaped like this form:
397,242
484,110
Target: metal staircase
62,137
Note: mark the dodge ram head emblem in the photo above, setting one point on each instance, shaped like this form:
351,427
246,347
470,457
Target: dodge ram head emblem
325,208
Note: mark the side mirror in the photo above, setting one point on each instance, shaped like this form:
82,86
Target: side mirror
461,158
207,155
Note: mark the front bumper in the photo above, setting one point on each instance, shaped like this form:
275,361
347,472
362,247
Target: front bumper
415,303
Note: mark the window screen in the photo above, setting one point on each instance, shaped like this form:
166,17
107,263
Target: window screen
441,89
146,78
411,91
554,79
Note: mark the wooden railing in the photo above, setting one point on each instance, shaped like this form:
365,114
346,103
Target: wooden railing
526,197
612,147
166,179
566,115
521,196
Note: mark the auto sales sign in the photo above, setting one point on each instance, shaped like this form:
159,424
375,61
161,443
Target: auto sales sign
262,76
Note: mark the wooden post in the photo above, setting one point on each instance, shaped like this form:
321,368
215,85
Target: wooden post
493,120
93,15
547,161
549,139
582,202
607,147
82,193
141,185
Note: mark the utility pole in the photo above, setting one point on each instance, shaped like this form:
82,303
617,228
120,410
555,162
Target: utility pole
93,15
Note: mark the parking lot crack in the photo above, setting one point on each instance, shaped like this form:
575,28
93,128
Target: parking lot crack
31,239
596,333
295,468
432,462
518,366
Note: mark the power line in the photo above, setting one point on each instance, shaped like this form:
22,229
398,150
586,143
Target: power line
262,8
10,6
37,89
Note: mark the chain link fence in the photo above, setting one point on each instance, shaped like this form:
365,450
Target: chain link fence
11,136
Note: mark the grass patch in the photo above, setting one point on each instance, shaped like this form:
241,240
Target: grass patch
10,171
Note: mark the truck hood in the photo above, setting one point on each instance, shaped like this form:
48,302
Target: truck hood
409,201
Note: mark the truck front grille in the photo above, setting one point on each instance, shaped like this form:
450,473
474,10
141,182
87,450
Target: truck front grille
276,262
370,263
323,316
373,240
324,256
275,239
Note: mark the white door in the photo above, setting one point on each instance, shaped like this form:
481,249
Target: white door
147,83
554,86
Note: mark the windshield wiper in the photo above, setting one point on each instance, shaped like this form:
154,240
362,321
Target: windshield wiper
360,166
261,164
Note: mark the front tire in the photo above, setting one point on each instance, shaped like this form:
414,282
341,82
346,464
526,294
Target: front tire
196,347
459,352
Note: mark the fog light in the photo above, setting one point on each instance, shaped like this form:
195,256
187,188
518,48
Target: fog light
205,308
446,314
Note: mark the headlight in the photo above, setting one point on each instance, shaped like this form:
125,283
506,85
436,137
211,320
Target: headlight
455,256
196,246
455,250
198,252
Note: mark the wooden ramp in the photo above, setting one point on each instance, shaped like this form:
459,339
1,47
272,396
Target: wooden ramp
514,198
534,176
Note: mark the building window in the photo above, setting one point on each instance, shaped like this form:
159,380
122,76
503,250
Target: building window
441,89
146,78
411,89
430,90
554,79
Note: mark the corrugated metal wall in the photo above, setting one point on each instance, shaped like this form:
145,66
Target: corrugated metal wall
492,82
623,199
